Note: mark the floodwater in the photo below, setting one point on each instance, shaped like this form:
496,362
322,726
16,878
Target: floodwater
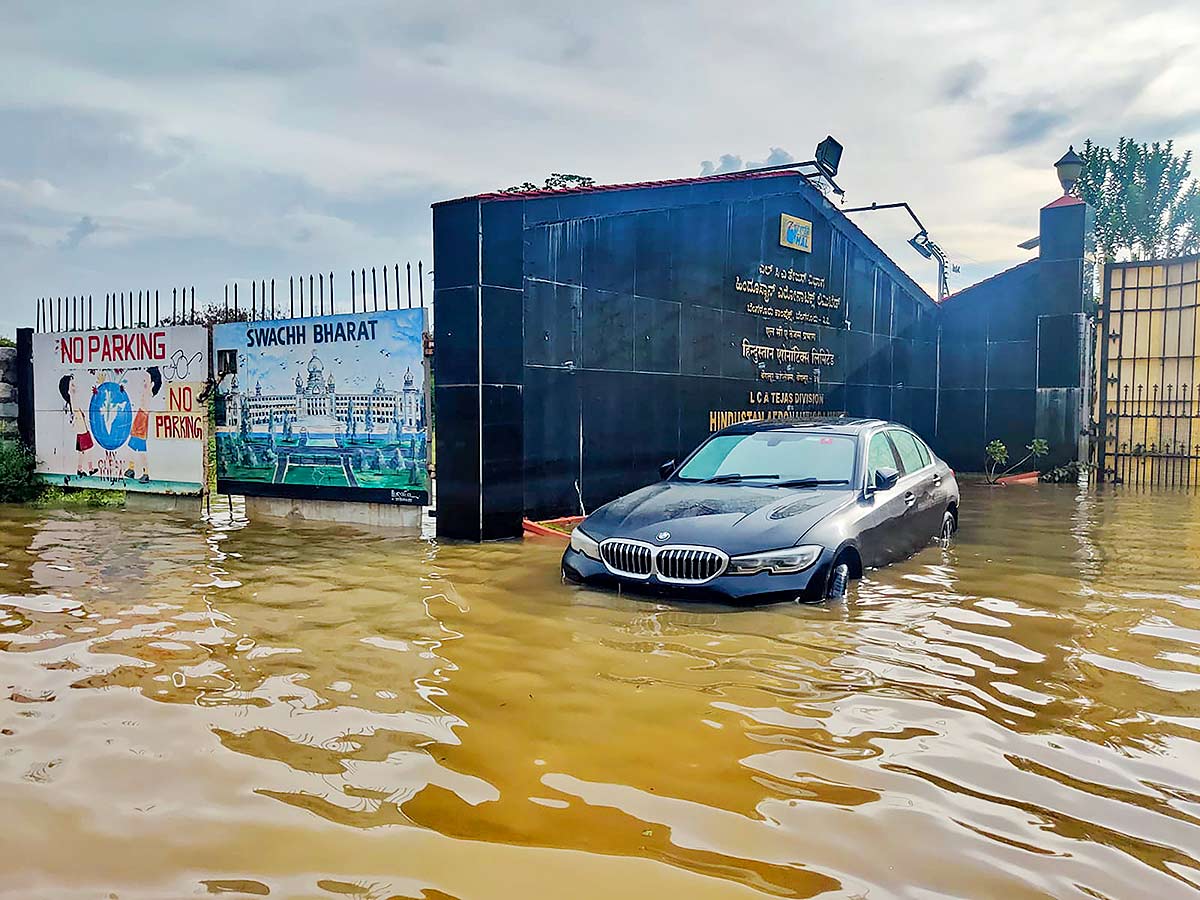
221,708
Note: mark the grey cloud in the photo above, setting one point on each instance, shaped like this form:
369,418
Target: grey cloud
730,162
209,140
962,81
16,240
67,145
1027,126
192,40
777,157
1154,128
80,232
727,163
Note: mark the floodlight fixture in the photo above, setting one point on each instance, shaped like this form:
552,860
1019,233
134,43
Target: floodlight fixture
920,243
829,155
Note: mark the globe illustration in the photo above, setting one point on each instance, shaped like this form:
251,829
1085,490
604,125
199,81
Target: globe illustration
110,415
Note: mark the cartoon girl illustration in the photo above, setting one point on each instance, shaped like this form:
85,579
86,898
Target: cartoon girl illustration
151,384
83,437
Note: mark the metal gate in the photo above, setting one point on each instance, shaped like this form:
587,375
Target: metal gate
1148,415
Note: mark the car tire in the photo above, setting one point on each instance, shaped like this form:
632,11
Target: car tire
839,580
949,526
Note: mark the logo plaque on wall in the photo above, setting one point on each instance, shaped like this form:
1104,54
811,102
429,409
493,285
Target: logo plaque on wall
795,233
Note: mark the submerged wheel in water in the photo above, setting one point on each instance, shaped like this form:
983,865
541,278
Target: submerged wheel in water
949,526
839,580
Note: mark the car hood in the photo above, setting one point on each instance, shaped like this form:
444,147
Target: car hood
737,518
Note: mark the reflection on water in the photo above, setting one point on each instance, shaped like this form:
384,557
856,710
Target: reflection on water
238,709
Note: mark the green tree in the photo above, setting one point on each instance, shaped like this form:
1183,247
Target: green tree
558,181
1147,202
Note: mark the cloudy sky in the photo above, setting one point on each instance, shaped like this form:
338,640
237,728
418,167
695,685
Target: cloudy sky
150,144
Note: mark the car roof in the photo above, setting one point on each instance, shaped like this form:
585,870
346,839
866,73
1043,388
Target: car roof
845,425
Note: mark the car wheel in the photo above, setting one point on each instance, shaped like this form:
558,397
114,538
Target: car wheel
839,580
949,526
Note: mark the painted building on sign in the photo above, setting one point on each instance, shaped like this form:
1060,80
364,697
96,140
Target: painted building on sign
317,397
329,407
122,408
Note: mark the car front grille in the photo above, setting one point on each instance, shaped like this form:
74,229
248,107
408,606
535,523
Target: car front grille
689,565
627,557
674,564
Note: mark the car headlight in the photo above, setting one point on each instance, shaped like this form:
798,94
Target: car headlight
581,542
777,562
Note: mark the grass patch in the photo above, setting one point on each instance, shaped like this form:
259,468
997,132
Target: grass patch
93,498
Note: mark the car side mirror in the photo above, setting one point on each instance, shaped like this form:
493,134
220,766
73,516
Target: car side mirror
886,478
667,469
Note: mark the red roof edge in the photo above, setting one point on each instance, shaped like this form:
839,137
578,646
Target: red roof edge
632,186
971,287
1064,200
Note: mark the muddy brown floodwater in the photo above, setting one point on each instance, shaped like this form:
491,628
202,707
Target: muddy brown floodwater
223,708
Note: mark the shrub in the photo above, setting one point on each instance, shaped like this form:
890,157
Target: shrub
1068,474
19,483
997,456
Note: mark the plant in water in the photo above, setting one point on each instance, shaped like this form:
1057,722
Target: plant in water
997,456
1068,474
19,482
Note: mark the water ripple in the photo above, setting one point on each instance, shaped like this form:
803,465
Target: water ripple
239,708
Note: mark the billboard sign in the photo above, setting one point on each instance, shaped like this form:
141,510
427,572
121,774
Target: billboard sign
121,409
326,407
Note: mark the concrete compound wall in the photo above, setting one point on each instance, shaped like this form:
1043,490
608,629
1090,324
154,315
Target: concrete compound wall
8,392
16,413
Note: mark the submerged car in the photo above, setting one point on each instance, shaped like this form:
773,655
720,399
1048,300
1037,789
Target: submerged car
772,510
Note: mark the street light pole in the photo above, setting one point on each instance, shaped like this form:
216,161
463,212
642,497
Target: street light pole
920,242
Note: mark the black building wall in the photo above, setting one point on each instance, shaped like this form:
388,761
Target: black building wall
1015,350
583,338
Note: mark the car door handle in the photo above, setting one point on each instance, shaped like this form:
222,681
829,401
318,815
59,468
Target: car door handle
910,498
937,479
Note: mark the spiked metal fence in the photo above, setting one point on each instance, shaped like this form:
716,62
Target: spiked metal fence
304,295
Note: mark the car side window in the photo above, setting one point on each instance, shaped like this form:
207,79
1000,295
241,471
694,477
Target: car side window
926,458
906,446
879,456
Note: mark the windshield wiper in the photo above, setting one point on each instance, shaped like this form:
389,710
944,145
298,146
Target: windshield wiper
730,477
810,482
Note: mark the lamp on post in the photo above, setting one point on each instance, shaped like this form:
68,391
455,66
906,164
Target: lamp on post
1069,168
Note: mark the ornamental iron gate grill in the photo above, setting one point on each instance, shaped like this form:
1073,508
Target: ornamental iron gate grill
1148,416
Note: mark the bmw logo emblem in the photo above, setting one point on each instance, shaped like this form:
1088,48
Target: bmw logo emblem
663,536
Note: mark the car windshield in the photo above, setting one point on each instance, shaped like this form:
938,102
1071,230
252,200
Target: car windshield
773,456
